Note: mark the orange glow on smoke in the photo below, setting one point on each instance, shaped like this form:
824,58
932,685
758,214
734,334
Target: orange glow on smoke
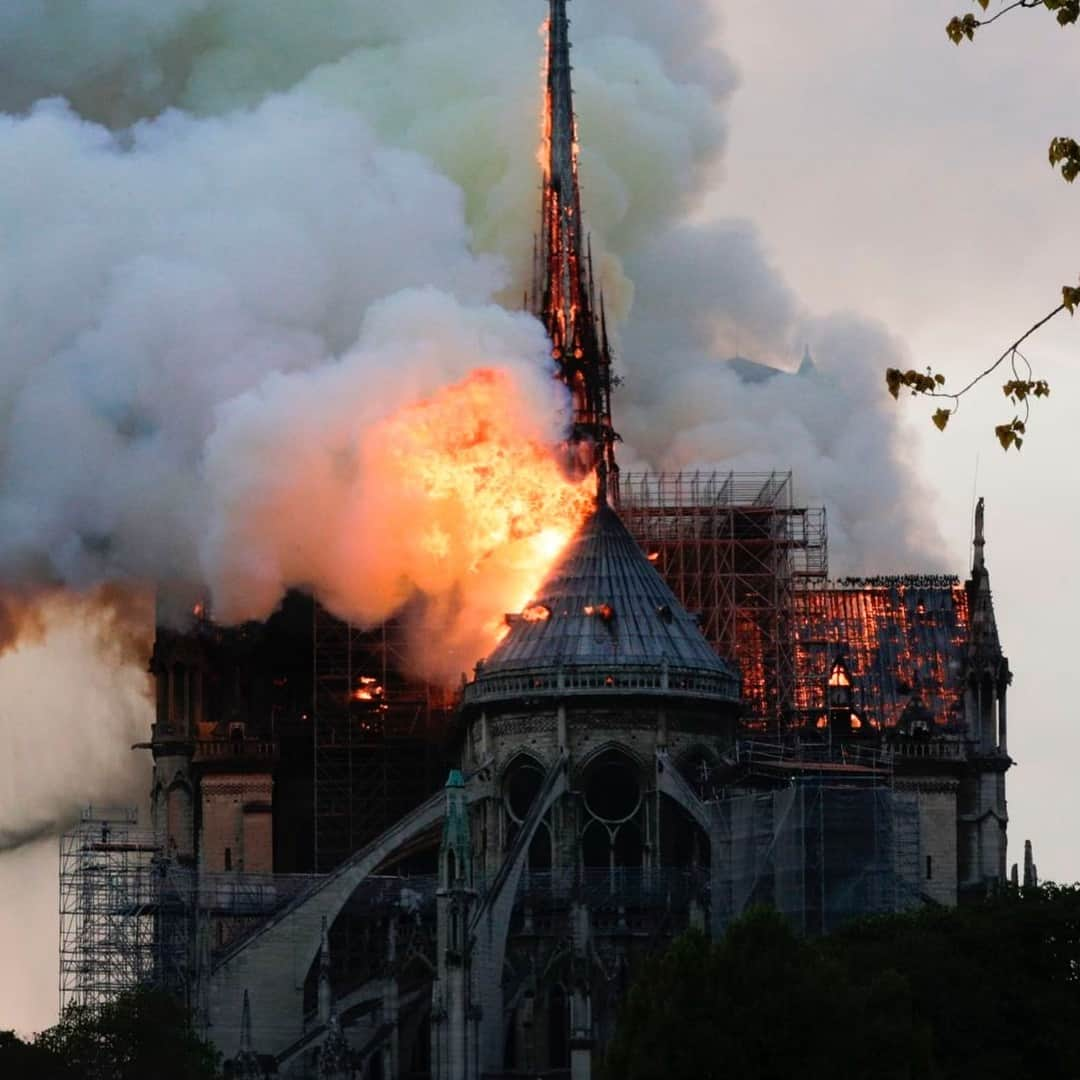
491,505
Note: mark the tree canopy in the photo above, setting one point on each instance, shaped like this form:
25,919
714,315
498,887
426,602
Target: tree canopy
988,991
143,1034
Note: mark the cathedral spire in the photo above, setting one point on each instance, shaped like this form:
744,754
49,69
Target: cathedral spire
979,544
564,292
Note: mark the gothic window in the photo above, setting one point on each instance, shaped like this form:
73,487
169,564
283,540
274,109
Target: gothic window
596,846
682,840
628,846
613,789
613,801
521,787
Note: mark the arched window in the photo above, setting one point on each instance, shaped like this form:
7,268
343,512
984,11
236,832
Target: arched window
628,848
596,846
613,801
613,787
521,787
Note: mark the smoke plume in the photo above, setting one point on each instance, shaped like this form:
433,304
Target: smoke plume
74,700
241,238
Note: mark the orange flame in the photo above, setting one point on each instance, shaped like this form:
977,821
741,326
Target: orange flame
543,151
486,506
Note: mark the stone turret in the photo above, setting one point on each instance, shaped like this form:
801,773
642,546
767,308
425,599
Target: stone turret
454,1017
983,812
601,680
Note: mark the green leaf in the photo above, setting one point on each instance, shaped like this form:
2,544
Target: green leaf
960,28
1066,153
893,380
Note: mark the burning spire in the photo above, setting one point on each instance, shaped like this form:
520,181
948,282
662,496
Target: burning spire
565,295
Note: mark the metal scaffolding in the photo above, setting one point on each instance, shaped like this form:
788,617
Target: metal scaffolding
734,549
125,910
836,842
376,735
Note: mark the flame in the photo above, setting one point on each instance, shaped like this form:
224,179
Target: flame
543,151
536,613
484,504
369,689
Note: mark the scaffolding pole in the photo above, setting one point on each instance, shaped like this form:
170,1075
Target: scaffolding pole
123,923
376,733
735,549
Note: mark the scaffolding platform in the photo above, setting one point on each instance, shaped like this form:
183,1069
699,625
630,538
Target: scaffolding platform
377,735
123,922
735,549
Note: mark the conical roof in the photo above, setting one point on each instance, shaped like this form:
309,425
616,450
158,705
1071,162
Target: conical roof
604,619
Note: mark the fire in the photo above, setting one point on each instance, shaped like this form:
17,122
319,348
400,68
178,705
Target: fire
484,504
369,689
536,613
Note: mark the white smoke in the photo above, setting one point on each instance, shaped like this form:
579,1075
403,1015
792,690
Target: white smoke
74,700
235,233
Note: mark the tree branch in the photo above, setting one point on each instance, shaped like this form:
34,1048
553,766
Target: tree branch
1005,355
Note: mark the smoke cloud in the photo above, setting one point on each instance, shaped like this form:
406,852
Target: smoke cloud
74,701
240,237
226,192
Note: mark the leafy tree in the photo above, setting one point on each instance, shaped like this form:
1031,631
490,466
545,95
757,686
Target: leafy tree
987,991
1064,154
28,1061
997,982
142,1034
763,1003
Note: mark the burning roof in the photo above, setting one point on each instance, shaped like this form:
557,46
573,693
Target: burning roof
900,639
605,611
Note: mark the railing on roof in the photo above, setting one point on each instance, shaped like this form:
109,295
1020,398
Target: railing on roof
944,750
234,749
617,679
776,755
649,490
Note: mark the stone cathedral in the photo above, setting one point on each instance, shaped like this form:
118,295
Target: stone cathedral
616,771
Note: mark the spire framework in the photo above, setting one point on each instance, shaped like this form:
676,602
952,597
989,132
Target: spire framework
564,293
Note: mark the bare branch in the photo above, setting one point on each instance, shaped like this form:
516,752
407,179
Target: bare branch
1013,348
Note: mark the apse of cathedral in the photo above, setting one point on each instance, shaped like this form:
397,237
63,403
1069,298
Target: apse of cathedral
367,874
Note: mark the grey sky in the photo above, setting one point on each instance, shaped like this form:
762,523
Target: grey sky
894,173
